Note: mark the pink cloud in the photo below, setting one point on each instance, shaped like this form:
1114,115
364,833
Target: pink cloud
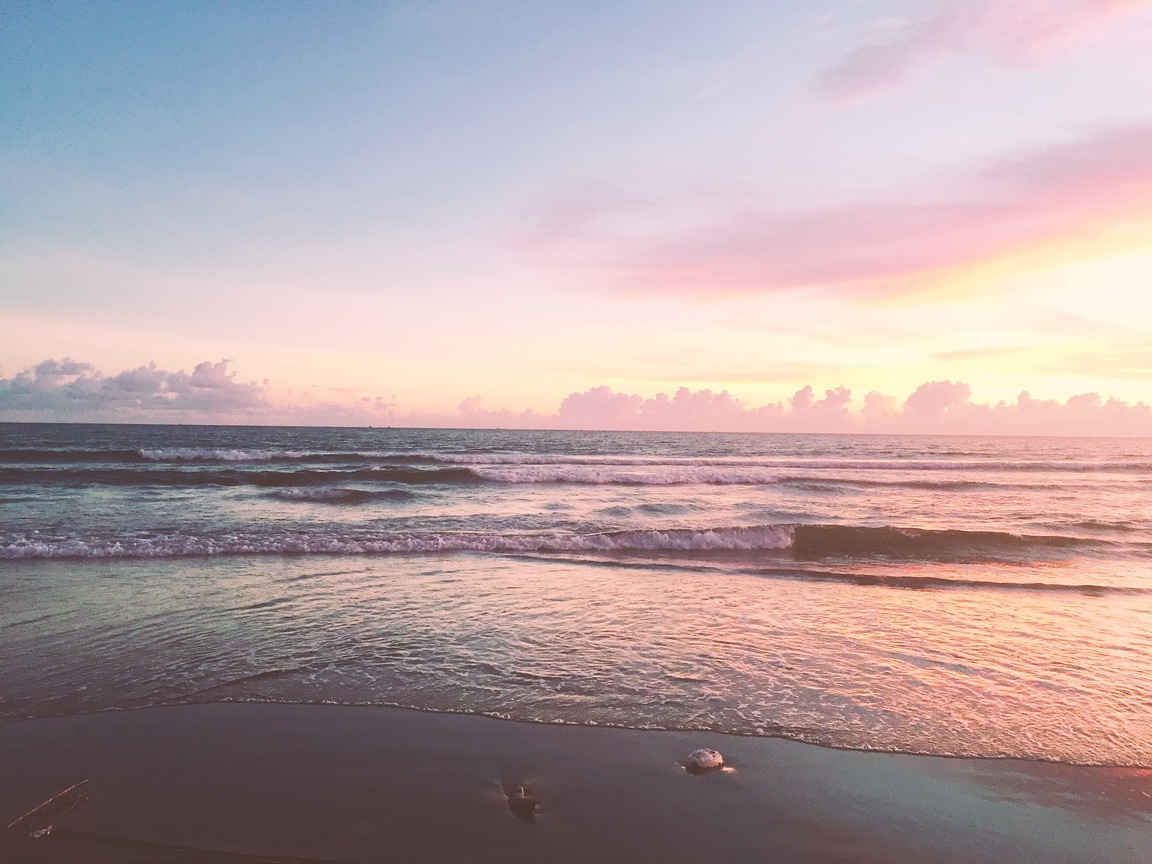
1015,32
612,409
689,410
702,410
934,398
1010,205
834,401
879,408
935,407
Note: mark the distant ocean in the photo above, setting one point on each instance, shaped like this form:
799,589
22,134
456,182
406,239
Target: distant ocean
942,595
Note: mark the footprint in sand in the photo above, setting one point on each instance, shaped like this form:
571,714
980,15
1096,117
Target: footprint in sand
522,805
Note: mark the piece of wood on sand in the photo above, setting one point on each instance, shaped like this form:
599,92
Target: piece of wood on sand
44,815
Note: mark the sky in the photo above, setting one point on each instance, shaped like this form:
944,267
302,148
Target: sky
864,215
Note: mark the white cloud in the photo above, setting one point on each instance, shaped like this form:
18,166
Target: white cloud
72,390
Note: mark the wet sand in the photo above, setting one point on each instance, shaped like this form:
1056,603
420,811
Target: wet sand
247,782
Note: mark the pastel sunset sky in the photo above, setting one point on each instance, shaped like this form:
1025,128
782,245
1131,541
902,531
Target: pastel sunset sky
548,214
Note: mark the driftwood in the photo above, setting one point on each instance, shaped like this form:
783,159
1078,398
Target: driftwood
54,808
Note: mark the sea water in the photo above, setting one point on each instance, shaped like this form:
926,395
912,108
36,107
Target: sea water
944,595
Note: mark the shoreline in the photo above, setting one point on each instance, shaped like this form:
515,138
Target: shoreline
1036,761
366,783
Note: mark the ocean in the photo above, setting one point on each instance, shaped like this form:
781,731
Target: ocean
958,596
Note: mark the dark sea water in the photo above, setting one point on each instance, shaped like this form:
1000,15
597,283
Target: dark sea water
945,595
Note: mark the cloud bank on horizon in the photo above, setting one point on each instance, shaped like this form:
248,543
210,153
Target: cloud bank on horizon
77,391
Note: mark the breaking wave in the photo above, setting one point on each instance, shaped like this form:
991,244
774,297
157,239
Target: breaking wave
217,454
659,475
342,496
919,582
782,463
147,476
322,542
589,475
799,542
209,455
851,541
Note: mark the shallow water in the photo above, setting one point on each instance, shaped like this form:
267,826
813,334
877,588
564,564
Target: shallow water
968,596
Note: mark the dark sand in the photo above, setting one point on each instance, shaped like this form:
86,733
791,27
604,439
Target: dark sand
280,782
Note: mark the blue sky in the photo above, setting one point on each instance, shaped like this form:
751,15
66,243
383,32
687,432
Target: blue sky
414,205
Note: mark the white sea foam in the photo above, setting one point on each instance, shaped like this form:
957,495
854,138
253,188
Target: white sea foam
324,494
657,475
215,454
571,462
778,463
685,540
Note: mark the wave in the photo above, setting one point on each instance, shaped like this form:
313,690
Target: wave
918,582
21,456
207,455
784,463
342,495
225,455
824,483
406,476
780,462
198,475
1123,527
924,544
595,476
442,475
327,542
211,454
234,477
799,542
217,454
892,579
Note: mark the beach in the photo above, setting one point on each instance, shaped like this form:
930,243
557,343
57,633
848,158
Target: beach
334,783
353,645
